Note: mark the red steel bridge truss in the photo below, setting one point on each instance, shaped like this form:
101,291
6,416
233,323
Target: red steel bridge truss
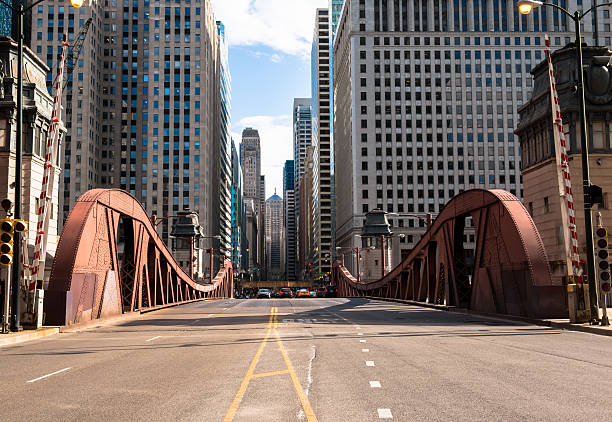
507,272
110,260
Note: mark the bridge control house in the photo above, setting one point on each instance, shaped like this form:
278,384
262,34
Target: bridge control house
188,244
539,167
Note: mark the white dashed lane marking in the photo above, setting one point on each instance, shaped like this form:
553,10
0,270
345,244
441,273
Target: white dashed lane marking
385,414
365,350
153,338
369,363
375,384
48,375
362,341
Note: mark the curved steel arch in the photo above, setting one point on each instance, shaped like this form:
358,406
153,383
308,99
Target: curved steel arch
509,275
91,279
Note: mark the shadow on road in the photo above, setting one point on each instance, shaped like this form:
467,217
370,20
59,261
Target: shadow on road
191,327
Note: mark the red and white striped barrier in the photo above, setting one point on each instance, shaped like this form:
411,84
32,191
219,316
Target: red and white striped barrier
558,128
37,269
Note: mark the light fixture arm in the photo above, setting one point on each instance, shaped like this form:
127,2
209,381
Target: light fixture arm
563,9
577,15
595,7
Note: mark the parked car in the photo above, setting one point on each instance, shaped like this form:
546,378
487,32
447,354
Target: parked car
264,293
321,292
303,293
331,291
313,293
285,292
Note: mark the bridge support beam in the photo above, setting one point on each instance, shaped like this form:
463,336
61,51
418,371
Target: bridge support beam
509,273
93,276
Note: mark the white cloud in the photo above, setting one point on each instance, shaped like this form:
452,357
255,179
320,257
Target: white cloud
276,135
283,25
274,58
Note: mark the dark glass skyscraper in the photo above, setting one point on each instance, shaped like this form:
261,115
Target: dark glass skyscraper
290,220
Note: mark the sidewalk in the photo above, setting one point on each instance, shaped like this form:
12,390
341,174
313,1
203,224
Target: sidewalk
26,335
586,328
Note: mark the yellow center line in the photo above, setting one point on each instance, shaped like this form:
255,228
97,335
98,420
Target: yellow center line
269,374
310,416
272,327
245,381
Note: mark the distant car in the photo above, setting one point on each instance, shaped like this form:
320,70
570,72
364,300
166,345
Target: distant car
303,293
264,293
331,291
285,292
321,292
313,293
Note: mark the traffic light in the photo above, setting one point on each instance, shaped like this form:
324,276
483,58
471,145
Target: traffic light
6,241
603,266
20,225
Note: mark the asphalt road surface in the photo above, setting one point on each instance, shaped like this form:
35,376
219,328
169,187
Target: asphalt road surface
308,360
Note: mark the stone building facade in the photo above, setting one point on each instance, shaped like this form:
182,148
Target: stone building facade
37,109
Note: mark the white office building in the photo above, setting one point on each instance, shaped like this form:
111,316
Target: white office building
425,103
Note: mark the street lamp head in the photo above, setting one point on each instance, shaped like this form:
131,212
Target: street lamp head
526,6
77,3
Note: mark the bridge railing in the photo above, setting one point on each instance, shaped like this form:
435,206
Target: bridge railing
110,260
509,273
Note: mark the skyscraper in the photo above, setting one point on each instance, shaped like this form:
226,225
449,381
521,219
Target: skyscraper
262,222
302,134
141,106
302,138
250,160
239,226
221,184
274,237
321,141
290,214
426,96
6,20
335,11
306,251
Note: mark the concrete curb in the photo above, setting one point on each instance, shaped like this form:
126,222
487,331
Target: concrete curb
128,316
172,305
9,339
534,321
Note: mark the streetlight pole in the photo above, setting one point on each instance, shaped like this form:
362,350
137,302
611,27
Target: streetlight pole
586,178
16,274
358,268
382,258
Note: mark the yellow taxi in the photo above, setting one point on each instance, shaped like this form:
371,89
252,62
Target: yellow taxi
303,293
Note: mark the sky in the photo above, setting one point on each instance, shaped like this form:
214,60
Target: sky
269,59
